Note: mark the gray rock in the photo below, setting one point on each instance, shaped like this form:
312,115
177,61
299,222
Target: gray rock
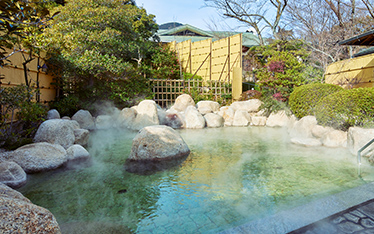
182,102
335,138
214,120
146,115
77,152
278,119
306,141
39,157
228,115
252,105
171,119
12,174
53,114
81,136
156,143
241,118
127,117
193,118
85,119
104,122
19,215
57,131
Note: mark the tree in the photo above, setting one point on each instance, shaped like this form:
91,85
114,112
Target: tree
252,13
323,23
100,48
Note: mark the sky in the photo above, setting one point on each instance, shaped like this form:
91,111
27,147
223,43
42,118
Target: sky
188,12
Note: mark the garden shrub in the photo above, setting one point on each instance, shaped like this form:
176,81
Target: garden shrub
347,108
303,99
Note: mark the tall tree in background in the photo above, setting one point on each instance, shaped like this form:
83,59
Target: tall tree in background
256,14
323,23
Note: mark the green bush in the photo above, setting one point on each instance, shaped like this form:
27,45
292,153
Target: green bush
303,99
347,108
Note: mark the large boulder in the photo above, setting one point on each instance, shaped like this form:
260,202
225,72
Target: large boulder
258,120
37,157
214,120
81,136
252,105
127,117
241,118
12,174
158,143
278,119
335,138
303,127
19,215
357,138
193,118
205,107
146,115
319,131
228,115
182,102
104,122
53,114
57,131
85,119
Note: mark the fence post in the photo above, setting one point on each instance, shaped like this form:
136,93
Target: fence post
237,83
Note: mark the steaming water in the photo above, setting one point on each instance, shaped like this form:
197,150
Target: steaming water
232,176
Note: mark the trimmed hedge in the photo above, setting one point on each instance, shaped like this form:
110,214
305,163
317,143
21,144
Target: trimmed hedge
347,108
304,98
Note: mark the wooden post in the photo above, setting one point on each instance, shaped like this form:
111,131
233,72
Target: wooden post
237,83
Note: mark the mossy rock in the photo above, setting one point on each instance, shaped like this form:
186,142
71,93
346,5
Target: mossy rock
304,98
347,108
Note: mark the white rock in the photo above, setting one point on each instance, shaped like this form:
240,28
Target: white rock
228,115
357,138
81,136
335,138
146,115
39,157
303,127
319,131
241,118
306,141
258,120
278,119
158,142
12,174
252,105
77,152
193,118
214,120
182,102
205,107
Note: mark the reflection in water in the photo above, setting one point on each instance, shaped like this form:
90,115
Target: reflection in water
232,175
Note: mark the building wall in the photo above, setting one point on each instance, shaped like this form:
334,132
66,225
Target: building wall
13,74
352,73
213,60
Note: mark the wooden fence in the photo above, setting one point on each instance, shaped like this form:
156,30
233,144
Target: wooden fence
14,74
166,91
214,61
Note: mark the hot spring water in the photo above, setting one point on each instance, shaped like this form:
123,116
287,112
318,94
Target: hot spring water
232,176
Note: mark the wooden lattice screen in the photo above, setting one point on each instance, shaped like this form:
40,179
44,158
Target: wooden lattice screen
166,91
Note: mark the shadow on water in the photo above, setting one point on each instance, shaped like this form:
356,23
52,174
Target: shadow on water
149,167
